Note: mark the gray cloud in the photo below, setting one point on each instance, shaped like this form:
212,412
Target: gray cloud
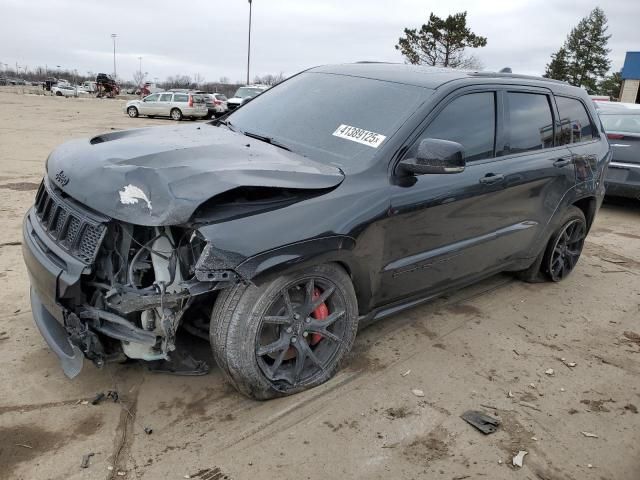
209,37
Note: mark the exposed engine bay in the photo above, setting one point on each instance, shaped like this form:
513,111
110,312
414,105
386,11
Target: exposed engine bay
144,282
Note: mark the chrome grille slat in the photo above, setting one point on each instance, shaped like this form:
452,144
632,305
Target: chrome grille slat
69,228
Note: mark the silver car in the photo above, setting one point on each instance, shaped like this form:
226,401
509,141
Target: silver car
176,105
621,121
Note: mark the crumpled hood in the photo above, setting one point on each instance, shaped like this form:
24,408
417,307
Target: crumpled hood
160,175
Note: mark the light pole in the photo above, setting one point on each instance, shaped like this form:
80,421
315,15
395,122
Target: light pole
249,45
113,36
140,58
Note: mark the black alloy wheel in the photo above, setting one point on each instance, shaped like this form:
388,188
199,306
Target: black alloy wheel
301,332
566,249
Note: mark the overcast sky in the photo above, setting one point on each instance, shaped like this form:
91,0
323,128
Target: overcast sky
209,37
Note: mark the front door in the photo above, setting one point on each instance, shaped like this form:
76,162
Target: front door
148,104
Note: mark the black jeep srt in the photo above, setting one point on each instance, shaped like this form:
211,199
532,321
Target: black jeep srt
344,194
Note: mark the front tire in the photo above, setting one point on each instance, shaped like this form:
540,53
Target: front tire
286,335
132,112
176,114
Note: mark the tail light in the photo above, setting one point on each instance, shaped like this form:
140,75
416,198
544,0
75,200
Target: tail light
190,100
615,136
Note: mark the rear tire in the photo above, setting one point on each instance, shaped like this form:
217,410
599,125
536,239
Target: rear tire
286,335
176,114
560,256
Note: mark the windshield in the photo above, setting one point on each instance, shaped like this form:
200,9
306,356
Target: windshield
331,118
244,92
621,123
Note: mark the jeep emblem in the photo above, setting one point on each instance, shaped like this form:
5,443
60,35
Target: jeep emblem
61,178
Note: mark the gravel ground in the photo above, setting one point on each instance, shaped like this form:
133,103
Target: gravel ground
486,347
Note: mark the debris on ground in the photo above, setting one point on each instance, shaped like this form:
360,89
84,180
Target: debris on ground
483,422
568,364
111,394
632,336
631,408
85,460
23,445
529,405
406,373
417,393
519,458
549,371
98,398
509,394
148,430
590,435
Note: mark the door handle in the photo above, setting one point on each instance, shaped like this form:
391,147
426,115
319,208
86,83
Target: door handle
491,178
562,162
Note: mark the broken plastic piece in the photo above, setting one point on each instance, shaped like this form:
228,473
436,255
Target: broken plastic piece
417,393
481,421
590,435
85,460
98,398
180,363
519,458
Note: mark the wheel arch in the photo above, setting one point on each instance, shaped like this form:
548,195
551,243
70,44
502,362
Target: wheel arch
588,205
337,249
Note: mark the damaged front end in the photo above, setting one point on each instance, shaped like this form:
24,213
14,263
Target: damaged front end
112,290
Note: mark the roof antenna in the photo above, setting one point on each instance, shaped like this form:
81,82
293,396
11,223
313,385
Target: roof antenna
506,70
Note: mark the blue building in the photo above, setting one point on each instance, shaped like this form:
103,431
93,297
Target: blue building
630,91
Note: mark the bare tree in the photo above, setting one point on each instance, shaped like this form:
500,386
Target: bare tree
224,80
138,78
198,80
269,79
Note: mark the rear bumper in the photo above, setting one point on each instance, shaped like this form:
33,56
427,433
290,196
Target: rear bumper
623,179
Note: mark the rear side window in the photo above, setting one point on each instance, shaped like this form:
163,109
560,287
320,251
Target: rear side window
469,120
575,125
529,122
181,97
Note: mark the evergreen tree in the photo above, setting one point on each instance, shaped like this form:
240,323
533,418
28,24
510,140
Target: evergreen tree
585,58
558,68
441,42
611,85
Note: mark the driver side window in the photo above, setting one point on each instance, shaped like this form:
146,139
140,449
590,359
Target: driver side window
152,98
469,120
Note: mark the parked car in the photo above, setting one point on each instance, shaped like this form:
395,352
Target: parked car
63,90
343,195
621,121
176,105
244,94
216,104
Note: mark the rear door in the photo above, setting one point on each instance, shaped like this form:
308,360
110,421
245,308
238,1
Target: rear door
578,133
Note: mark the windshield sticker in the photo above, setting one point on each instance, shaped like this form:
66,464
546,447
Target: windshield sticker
130,195
359,135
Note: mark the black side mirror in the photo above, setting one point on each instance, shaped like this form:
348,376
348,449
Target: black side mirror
435,156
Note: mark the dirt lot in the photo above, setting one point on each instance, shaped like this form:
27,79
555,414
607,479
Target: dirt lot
486,347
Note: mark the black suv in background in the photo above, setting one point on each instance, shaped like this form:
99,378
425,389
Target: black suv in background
344,194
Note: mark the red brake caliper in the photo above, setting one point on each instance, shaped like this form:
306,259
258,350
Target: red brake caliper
320,313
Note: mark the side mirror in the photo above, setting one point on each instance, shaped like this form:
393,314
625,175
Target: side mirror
435,156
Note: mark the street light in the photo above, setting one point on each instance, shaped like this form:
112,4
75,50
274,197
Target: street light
140,58
113,36
249,45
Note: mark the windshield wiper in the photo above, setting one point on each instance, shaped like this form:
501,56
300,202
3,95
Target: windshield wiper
227,124
269,140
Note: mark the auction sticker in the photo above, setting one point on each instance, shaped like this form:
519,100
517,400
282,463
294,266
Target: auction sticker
359,135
